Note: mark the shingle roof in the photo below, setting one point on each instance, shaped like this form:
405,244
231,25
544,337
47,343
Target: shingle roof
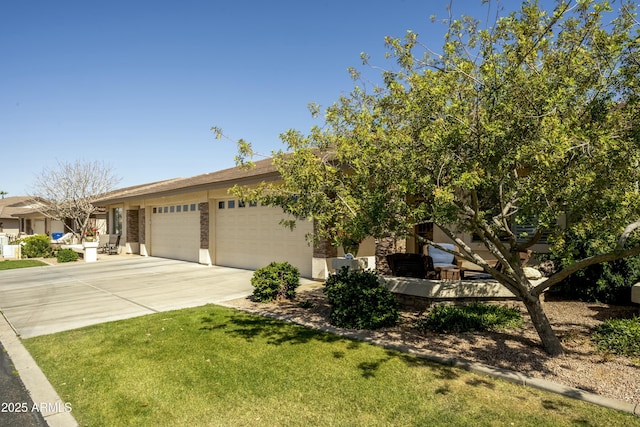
10,206
263,170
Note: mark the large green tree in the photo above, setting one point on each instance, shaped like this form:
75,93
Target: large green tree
527,118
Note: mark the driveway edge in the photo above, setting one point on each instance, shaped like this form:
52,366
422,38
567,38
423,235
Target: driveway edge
42,393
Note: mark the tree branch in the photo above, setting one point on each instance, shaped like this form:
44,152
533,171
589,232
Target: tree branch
584,263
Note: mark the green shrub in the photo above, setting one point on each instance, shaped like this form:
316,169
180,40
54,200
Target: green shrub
36,246
359,300
276,281
608,282
66,255
473,317
619,336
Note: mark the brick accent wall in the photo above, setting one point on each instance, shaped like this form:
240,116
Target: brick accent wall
204,225
141,225
323,249
384,247
133,226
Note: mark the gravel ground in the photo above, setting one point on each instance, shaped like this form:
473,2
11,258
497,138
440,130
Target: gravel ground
518,350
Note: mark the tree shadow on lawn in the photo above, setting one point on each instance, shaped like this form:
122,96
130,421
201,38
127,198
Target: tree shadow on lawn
276,332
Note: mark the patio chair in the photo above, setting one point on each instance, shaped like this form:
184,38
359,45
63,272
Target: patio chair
64,238
103,243
113,247
442,260
409,265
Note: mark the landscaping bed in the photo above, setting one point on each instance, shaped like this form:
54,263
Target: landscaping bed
582,366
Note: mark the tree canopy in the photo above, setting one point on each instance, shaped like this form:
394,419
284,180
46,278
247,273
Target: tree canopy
528,118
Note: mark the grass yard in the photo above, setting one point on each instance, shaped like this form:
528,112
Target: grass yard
212,366
20,263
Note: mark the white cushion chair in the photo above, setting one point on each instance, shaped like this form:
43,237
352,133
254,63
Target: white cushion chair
442,260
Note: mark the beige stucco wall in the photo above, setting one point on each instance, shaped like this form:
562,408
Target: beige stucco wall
147,204
10,226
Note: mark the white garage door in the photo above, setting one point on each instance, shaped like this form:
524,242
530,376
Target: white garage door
252,237
175,232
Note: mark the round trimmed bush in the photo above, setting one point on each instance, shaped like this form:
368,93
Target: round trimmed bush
38,246
360,301
66,255
276,281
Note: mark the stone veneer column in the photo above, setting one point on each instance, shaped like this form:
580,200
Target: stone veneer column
204,225
141,226
324,249
384,247
133,226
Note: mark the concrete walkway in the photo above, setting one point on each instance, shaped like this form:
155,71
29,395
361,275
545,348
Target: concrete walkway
43,300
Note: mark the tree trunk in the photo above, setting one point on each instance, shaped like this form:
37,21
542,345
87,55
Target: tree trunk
550,342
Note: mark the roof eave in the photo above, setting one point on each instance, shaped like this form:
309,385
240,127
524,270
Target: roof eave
248,180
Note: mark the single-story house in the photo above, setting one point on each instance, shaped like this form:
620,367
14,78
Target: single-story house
9,206
20,215
196,219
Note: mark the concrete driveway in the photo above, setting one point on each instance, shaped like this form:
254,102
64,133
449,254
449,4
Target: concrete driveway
44,300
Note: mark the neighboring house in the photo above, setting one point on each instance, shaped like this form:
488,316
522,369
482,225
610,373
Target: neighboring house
33,221
19,216
23,215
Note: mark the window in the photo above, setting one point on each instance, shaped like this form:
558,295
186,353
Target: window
179,208
193,207
185,208
166,209
172,209
253,204
116,223
220,205
231,204
154,210
241,204
525,231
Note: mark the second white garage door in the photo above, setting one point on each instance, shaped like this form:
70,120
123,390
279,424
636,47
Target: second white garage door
175,232
252,237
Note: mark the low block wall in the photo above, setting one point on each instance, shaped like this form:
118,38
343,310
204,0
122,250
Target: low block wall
422,293
635,293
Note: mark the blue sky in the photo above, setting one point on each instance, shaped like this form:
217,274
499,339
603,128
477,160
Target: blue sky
138,84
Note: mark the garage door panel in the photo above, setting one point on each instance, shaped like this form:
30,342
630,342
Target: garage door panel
176,234
252,237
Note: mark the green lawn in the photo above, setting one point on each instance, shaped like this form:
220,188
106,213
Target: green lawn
20,263
212,366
